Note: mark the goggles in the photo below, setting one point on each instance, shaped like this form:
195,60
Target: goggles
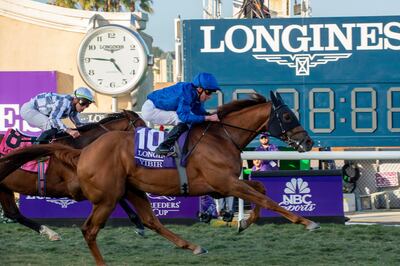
84,102
208,92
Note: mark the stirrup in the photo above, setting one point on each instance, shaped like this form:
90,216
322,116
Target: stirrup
170,152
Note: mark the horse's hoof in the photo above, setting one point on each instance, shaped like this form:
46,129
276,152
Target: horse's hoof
140,232
200,251
52,235
313,226
55,237
242,225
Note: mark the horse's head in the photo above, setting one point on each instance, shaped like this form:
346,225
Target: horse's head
134,119
283,124
124,121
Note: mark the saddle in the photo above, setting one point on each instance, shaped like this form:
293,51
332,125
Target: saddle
14,139
147,140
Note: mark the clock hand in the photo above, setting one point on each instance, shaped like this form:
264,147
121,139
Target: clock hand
115,64
100,59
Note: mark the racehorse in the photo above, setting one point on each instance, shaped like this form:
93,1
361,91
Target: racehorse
60,181
106,169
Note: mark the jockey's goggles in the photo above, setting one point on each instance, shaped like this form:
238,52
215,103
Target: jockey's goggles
208,92
84,102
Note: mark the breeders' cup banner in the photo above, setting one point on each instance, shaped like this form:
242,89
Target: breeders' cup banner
316,195
163,207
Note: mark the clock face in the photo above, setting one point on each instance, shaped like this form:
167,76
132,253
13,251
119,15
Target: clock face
112,59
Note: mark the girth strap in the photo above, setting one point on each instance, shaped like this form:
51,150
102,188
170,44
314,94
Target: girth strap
41,184
183,179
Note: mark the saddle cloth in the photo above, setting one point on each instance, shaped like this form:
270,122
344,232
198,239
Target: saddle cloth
146,141
13,139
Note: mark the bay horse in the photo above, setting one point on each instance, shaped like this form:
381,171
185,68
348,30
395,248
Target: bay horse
106,169
61,181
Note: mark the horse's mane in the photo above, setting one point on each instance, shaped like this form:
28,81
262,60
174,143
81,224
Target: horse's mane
89,126
225,109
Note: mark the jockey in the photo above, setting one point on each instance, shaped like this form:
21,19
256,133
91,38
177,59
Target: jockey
46,110
179,105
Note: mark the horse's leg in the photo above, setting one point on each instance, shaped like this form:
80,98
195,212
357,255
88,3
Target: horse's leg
12,212
142,205
254,213
133,217
244,191
92,226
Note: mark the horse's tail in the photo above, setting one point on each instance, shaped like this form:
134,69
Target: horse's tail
14,160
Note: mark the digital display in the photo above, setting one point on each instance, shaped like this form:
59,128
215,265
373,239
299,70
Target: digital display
337,114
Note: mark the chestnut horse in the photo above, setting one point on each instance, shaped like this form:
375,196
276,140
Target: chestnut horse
61,181
106,169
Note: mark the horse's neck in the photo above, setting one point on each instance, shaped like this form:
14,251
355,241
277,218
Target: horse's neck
253,118
92,134
86,137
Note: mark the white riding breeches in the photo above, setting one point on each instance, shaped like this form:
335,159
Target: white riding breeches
158,116
34,117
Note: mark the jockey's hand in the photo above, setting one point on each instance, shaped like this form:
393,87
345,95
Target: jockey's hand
213,118
73,133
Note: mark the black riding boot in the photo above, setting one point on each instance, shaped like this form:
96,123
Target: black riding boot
172,136
46,136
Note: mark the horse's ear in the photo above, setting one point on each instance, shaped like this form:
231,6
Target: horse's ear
280,100
274,100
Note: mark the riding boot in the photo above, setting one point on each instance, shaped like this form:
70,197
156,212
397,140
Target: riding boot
46,136
165,147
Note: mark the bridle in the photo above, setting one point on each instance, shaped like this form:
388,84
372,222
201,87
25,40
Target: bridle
284,128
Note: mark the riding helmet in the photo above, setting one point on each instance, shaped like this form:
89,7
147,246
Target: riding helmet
206,81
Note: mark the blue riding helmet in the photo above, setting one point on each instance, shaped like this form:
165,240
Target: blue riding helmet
84,93
206,81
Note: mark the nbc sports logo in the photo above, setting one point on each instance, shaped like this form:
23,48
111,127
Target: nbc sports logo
297,196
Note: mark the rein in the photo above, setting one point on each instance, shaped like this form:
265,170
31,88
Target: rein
236,127
233,126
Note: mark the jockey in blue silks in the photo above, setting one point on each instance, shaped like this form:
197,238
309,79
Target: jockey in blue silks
179,105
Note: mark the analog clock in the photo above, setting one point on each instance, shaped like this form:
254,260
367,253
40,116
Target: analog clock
112,59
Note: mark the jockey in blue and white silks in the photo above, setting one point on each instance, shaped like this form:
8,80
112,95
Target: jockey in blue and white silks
179,105
46,110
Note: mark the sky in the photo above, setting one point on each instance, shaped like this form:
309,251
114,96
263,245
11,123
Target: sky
161,22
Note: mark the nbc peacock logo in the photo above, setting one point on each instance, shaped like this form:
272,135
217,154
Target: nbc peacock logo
297,196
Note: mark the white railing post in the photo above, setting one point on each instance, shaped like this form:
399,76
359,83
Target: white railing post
241,203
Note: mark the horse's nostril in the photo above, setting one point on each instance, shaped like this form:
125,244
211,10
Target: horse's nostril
310,143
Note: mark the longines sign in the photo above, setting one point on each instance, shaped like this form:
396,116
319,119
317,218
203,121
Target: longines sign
301,46
292,47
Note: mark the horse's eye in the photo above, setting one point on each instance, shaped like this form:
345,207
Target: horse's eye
287,118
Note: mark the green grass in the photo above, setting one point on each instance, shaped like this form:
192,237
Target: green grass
286,244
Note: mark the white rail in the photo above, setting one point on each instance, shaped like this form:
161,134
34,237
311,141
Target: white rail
317,155
322,155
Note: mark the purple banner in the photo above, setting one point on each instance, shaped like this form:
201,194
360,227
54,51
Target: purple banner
305,195
16,88
163,207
